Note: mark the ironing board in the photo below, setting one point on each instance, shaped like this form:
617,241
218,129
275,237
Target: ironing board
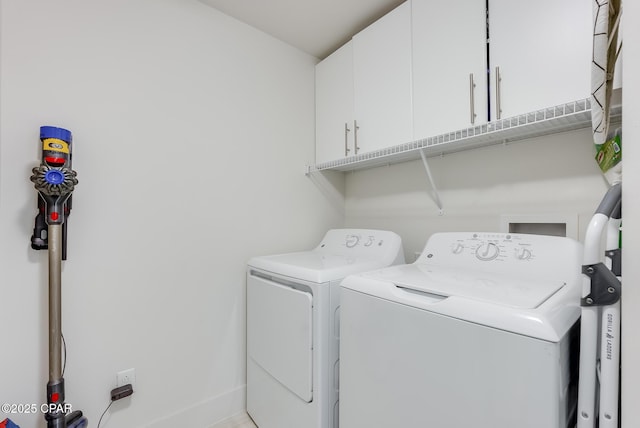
598,390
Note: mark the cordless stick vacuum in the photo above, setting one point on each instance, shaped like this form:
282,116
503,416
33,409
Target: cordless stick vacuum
55,180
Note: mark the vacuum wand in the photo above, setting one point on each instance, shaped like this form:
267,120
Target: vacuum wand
55,302
54,180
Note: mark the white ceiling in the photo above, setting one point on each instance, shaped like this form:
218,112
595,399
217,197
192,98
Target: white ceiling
317,27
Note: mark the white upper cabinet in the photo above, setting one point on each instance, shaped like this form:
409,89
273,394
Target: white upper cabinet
427,69
542,49
334,106
382,82
449,66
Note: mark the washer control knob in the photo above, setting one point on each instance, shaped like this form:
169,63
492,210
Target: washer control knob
352,240
487,251
457,248
523,254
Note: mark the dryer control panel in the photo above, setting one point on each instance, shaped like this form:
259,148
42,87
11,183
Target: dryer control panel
365,243
533,255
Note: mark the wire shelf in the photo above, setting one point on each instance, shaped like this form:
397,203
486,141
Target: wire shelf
560,118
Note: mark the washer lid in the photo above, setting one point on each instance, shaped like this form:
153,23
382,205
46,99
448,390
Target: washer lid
314,266
503,290
540,308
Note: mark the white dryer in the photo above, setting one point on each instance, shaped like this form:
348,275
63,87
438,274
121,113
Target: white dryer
293,326
481,331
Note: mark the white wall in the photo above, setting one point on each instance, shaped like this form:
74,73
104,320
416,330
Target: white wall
191,131
631,214
550,177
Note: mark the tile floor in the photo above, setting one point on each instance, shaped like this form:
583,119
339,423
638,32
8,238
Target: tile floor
241,420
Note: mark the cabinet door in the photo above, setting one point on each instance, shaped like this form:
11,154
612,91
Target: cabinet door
382,81
449,49
334,105
543,50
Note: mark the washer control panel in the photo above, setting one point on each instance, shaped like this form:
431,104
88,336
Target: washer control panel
510,254
513,253
487,247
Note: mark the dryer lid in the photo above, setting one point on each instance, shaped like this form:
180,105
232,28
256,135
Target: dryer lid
493,288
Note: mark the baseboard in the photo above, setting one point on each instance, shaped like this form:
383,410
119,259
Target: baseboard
207,413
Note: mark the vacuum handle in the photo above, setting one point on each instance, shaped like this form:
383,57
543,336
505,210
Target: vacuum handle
39,238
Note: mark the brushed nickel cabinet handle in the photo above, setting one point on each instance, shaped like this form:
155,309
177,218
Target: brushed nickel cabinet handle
498,106
346,139
472,102
355,135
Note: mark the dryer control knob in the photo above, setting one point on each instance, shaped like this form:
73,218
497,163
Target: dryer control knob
352,240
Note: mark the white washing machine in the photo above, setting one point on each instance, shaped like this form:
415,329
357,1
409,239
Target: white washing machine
293,326
481,331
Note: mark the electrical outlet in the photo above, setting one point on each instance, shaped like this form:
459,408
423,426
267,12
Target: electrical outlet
126,377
